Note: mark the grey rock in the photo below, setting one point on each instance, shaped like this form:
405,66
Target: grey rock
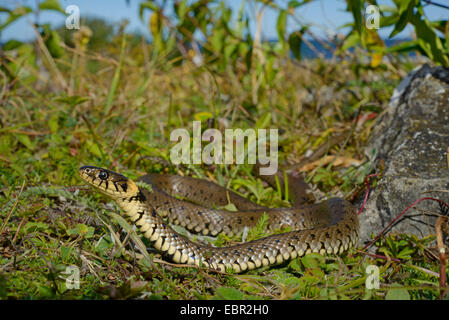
411,138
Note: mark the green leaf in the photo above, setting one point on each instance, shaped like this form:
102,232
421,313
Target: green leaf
93,148
65,252
82,230
264,121
240,21
295,265
281,25
203,116
313,260
12,44
405,254
291,282
406,46
15,14
440,25
156,29
147,5
259,229
406,14
386,21
217,40
270,68
311,277
351,41
230,207
386,8
103,244
26,141
396,292
227,293
229,50
4,9
53,43
181,9
254,188
295,42
51,5
53,123
34,226
3,286
429,41
296,4
72,100
355,6
45,292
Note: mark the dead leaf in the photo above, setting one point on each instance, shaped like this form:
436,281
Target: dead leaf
338,161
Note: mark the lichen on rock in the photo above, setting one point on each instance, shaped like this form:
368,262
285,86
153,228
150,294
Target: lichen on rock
412,138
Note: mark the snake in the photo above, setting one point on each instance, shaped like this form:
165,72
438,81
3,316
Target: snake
326,227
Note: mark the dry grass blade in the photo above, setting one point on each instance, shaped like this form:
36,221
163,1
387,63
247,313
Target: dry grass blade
53,67
13,208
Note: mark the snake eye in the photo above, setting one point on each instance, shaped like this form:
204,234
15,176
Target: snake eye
103,175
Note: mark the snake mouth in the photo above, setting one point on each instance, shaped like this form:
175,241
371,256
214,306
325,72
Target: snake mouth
106,181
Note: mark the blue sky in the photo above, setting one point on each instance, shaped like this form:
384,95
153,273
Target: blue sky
325,15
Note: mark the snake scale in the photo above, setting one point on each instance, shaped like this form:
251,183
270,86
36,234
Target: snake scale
327,227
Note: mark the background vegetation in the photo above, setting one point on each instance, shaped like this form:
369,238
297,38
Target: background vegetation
103,97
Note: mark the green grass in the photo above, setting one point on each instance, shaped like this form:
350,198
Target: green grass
123,110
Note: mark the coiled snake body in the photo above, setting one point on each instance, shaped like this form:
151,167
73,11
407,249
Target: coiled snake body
326,227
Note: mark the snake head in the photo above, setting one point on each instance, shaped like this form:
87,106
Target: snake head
108,182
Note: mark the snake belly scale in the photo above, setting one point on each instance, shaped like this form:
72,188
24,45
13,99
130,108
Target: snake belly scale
327,227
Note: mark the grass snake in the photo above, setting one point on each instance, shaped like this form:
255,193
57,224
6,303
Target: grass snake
329,227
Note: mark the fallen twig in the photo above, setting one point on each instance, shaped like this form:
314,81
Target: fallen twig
441,224
399,216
